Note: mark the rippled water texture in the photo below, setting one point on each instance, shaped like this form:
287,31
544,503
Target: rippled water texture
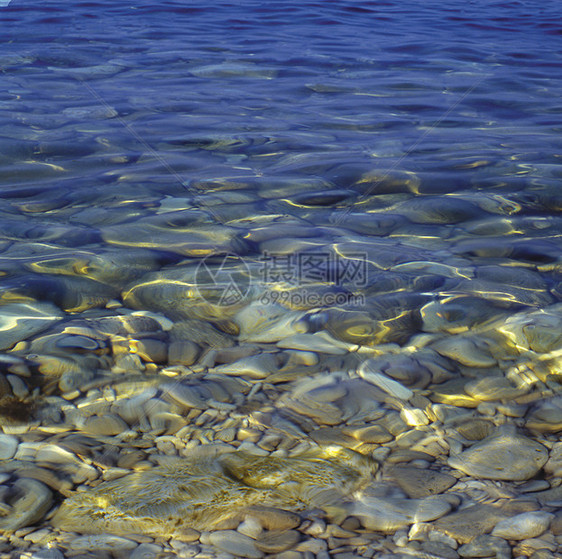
280,279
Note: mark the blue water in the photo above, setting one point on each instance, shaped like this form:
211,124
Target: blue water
420,141
426,87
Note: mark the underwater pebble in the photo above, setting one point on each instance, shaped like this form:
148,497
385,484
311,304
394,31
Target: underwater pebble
277,541
438,549
314,343
322,413
486,546
29,501
466,524
312,546
154,351
229,481
52,553
466,351
250,527
235,543
546,415
8,446
268,323
201,333
554,465
556,525
474,429
371,434
523,526
255,366
183,352
19,389
37,536
502,456
391,514
418,483
106,425
290,555
544,553
413,417
146,551
103,542
19,321
385,383
272,518
493,388
185,395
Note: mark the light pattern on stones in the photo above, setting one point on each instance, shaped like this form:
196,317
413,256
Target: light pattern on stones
280,281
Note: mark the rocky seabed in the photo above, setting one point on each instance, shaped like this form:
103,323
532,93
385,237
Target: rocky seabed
161,427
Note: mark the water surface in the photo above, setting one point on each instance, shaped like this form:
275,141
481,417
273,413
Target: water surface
343,191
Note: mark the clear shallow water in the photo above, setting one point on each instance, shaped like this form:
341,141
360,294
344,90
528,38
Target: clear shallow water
404,158
289,88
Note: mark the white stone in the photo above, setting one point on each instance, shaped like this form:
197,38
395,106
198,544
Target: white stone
301,357
47,554
19,321
251,448
186,395
390,386
165,323
312,546
256,366
53,454
37,536
146,551
486,546
250,527
414,417
27,451
267,323
105,425
34,501
435,536
467,351
8,446
19,387
523,526
317,528
388,514
320,343
102,542
505,456
235,543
